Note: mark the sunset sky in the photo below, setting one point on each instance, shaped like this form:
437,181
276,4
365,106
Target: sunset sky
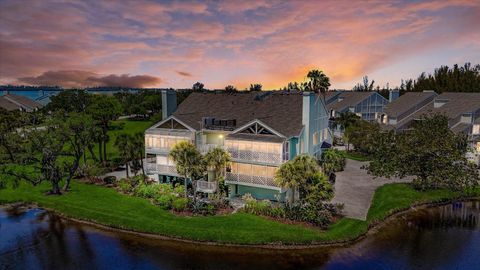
174,44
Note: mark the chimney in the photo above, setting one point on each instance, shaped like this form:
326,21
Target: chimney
393,95
169,103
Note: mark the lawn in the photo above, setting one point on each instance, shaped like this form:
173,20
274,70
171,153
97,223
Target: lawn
123,126
108,207
354,156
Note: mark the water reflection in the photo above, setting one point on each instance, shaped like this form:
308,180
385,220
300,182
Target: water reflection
446,237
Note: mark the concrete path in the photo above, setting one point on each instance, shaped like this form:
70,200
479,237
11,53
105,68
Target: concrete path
355,188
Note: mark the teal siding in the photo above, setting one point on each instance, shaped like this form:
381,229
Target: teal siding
293,147
258,193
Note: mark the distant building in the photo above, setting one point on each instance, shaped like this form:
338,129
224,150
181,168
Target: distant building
368,105
462,110
11,102
260,130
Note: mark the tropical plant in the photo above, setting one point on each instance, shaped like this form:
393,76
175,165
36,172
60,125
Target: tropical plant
217,159
317,82
255,87
122,144
295,173
332,161
188,162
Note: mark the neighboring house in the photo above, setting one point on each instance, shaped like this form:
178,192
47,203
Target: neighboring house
369,105
11,102
462,110
260,130
398,110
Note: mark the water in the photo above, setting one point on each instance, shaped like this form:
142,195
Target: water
446,237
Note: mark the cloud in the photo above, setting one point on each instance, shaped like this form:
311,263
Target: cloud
81,78
225,42
183,73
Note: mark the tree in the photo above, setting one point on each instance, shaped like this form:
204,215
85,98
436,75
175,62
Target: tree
345,121
42,149
217,159
198,87
430,151
363,135
75,100
81,129
10,121
138,149
104,109
122,142
230,89
255,87
188,162
366,86
317,82
332,161
296,173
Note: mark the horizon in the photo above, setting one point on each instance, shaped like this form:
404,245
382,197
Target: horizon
169,44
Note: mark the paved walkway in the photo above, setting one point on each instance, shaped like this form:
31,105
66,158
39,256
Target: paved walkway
355,188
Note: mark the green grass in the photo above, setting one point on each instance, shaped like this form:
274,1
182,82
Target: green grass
123,126
355,156
108,207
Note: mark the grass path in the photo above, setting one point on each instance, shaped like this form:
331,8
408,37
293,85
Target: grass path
108,207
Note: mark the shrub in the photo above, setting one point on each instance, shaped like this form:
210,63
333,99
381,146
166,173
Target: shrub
153,190
108,180
180,204
179,190
125,185
203,208
165,201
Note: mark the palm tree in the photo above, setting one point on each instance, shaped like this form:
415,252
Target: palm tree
346,120
188,161
217,159
138,143
122,142
295,173
318,81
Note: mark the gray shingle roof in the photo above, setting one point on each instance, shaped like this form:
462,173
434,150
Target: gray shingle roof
408,103
16,102
280,111
458,104
349,98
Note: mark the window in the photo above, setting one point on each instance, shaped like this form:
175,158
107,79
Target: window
286,150
315,138
476,129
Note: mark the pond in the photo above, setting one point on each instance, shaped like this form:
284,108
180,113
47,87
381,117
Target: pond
446,237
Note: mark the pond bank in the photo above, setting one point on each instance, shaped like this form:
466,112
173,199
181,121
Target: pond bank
106,207
443,237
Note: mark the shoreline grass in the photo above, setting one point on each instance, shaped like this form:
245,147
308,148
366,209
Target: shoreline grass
106,206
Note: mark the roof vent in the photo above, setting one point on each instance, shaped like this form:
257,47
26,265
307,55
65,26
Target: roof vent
439,103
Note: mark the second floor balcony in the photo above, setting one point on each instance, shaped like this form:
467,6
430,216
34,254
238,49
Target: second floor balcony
255,156
153,168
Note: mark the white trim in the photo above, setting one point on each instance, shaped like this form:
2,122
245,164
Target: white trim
260,123
155,126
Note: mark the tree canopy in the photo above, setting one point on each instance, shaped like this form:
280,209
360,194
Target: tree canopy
430,151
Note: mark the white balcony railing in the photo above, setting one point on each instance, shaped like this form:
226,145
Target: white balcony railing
250,179
204,148
153,168
207,187
157,150
262,157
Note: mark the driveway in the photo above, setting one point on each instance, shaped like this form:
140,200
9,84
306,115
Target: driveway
355,188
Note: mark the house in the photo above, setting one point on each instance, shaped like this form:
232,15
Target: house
368,105
462,110
11,102
398,110
260,130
